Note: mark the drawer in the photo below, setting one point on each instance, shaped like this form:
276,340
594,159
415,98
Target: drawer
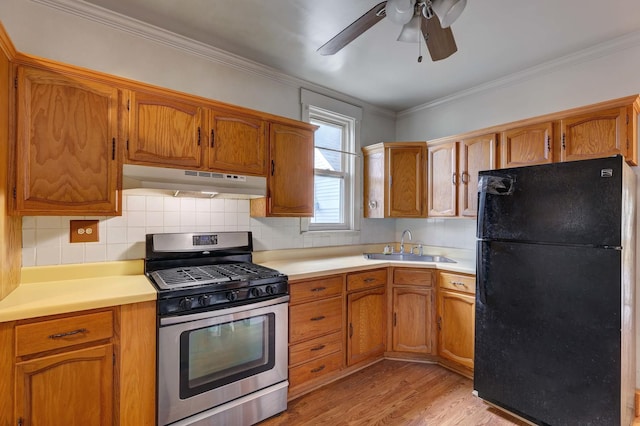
367,279
413,276
60,333
463,283
315,348
310,320
304,291
315,369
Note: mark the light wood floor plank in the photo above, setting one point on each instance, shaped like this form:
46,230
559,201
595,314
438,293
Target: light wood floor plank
394,393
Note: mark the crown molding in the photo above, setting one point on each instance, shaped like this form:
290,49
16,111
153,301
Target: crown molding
158,35
593,52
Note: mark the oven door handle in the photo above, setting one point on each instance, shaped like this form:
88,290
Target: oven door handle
178,319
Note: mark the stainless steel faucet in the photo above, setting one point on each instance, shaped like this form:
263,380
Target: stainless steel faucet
406,231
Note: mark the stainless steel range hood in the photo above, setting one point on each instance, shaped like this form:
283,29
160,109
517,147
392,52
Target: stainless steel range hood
193,183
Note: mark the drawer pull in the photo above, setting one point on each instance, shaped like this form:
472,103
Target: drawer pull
321,317
317,370
368,280
458,283
318,289
67,333
317,348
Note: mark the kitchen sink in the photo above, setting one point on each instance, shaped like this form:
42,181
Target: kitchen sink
408,257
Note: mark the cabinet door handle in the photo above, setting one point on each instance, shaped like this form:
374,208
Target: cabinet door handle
439,321
317,348
317,370
548,144
350,330
454,178
315,290
67,333
113,148
273,167
320,318
213,138
462,177
395,319
198,136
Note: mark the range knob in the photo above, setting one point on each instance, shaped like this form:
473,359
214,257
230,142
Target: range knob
186,303
270,289
232,295
255,291
204,300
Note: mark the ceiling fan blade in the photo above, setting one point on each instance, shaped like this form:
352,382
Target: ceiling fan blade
359,26
439,40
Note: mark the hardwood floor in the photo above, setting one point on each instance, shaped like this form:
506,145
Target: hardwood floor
394,393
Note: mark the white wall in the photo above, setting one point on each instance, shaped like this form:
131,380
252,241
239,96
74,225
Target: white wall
42,31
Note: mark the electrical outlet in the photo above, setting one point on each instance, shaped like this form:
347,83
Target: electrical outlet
83,231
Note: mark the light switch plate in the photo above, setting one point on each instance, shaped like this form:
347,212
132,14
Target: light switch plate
83,231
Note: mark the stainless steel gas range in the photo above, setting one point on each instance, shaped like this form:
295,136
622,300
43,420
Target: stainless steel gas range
222,330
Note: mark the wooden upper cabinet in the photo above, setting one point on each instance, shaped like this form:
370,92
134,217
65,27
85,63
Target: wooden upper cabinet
528,145
405,192
475,154
165,131
290,177
67,144
394,180
593,135
443,179
237,143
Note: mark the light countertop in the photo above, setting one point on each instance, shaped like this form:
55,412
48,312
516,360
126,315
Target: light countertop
50,290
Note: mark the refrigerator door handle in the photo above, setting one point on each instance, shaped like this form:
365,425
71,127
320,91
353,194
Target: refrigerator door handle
481,291
494,185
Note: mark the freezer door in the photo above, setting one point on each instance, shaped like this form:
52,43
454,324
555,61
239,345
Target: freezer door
577,202
548,339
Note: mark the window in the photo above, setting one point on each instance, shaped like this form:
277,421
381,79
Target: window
334,164
335,158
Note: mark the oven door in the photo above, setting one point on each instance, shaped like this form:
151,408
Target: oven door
213,357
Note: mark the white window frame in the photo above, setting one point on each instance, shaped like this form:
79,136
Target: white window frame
323,108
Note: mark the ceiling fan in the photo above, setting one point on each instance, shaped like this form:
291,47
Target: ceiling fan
416,17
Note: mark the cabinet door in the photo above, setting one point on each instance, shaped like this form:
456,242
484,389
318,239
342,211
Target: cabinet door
374,185
413,320
367,325
475,154
67,148
165,131
290,179
594,135
526,146
237,144
443,178
72,388
406,188
456,324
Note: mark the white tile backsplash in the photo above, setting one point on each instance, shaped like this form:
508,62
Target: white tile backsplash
45,239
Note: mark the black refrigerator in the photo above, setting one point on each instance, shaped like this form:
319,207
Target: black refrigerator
554,319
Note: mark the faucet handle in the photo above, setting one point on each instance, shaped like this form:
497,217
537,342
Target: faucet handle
418,247
388,249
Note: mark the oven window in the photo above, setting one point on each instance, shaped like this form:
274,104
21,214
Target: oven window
220,354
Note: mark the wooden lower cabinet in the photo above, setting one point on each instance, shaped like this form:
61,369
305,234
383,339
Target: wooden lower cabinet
456,320
71,369
413,311
71,388
316,332
366,316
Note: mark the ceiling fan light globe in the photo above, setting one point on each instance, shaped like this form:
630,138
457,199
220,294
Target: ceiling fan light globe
411,31
400,11
448,10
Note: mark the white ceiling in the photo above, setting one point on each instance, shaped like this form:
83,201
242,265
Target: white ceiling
495,38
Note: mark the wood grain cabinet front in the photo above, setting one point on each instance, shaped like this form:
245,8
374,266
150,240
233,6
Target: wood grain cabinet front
316,332
413,311
394,180
456,320
68,144
453,168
